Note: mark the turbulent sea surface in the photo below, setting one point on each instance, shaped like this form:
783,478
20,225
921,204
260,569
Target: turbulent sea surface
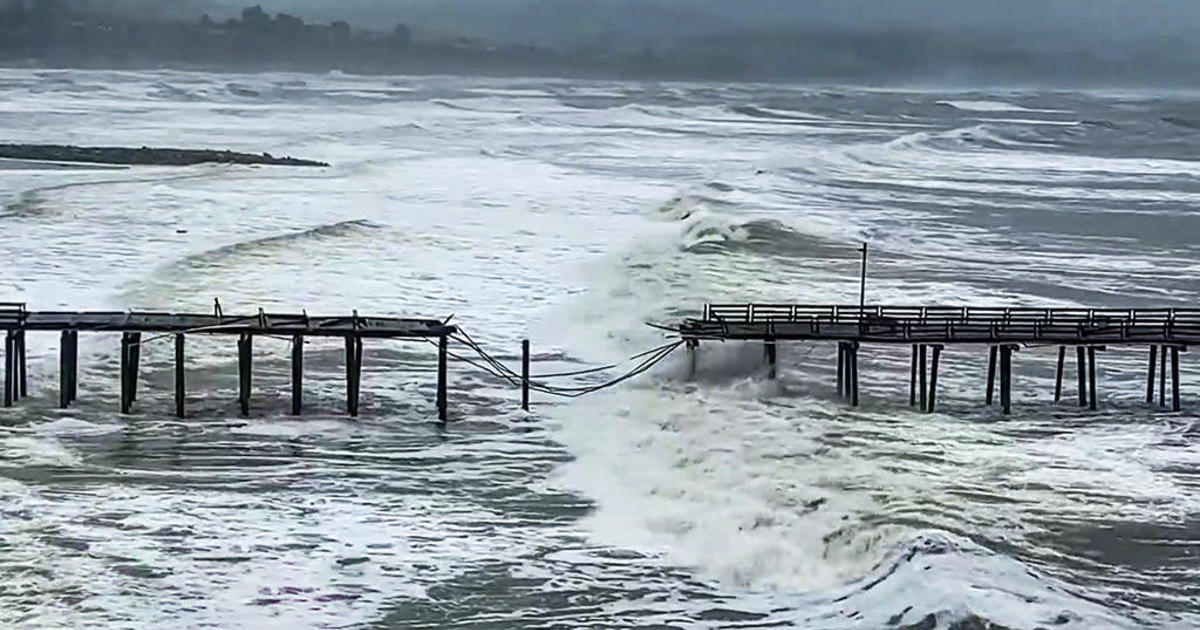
571,213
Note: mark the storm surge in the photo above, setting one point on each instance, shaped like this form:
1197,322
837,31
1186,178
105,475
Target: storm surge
571,213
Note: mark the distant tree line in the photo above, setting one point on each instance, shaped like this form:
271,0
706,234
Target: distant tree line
59,33
56,33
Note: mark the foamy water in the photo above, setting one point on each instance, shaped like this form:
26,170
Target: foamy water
572,213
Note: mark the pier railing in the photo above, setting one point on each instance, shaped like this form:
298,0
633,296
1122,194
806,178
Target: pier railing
949,323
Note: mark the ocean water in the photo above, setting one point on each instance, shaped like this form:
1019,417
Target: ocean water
572,213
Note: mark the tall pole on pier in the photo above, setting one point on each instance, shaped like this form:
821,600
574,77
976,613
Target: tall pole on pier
862,286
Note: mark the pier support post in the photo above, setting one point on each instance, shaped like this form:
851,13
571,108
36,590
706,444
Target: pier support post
297,373
64,369
1081,369
924,381
1058,374
852,355
1006,378
841,370
135,350
933,377
442,402
770,355
23,381
991,377
245,366
354,348
180,384
73,373
1150,375
912,379
129,344
1162,377
1092,378
693,347
1175,406
9,367
525,372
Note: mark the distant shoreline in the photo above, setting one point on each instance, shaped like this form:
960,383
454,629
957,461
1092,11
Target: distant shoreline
144,156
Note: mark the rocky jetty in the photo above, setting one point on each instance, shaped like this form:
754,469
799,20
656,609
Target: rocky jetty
142,156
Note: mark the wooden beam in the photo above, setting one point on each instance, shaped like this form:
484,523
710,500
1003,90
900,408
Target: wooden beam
841,370
126,366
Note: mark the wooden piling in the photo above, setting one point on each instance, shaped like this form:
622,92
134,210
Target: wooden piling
933,378
1092,378
135,349
525,372
180,383
64,369
693,346
770,355
912,379
73,372
126,369
924,382
1175,405
8,367
1058,374
297,373
1162,377
442,402
1006,378
1081,368
853,370
23,380
991,375
354,350
1150,375
841,370
245,367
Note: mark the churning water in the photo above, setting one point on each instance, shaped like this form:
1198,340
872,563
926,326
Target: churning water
572,212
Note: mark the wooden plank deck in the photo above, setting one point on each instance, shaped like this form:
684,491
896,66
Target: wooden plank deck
263,323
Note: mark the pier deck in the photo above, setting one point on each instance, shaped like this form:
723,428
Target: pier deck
17,322
927,328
